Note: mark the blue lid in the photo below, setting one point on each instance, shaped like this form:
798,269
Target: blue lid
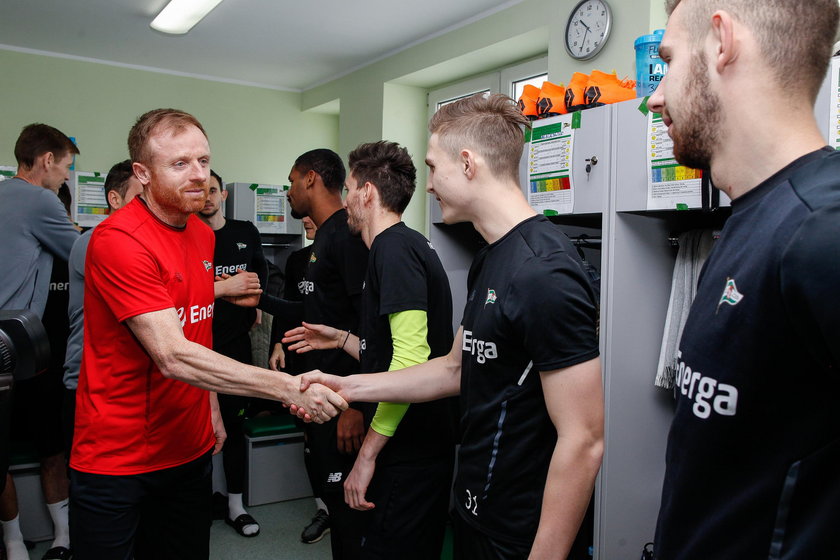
655,37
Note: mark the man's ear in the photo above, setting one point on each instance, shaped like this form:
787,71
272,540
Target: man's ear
141,172
467,160
224,195
727,47
45,160
311,177
114,200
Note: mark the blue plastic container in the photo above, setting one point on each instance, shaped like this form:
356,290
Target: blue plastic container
650,69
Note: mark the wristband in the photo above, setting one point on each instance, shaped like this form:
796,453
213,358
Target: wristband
345,340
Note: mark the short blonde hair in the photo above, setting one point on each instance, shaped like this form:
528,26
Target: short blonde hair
491,125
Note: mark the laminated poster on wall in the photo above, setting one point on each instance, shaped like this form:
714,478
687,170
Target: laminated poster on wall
834,92
671,186
551,189
269,208
89,204
7,172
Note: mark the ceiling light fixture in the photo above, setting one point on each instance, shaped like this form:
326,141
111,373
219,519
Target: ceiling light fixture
179,16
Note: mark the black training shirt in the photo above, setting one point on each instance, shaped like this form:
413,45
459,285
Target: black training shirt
404,273
332,288
237,248
530,308
753,461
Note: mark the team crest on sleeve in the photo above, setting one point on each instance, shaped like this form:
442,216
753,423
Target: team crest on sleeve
731,295
207,265
312,257
241,246
491,297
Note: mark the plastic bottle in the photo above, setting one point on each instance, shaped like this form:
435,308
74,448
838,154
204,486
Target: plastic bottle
650,69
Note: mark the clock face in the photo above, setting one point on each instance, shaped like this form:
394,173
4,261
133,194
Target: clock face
588,29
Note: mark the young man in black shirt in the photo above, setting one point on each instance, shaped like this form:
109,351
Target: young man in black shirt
525,360
403,471
332,293
754,449
237,250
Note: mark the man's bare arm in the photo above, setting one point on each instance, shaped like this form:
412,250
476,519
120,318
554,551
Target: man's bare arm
435,379
178,358
575,400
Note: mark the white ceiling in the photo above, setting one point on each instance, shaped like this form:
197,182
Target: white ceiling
281,44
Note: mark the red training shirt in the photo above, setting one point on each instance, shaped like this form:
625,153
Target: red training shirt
130,419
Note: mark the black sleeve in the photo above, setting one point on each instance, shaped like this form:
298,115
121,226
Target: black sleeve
551,303
258,262
810,275
402,279
353,262
278,306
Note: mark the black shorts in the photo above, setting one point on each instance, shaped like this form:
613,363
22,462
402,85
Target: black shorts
37,417
330,466
409,520
160,515
471,544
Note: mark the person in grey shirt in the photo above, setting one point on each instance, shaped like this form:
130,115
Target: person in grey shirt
33,223
121,186
35,228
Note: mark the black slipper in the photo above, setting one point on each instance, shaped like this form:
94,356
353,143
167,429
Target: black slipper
57,553
241,522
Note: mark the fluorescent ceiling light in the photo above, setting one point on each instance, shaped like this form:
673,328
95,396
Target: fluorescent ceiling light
179,16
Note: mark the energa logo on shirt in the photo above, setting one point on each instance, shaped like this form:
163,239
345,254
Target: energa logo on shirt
706,392
195,314
306,287
481,349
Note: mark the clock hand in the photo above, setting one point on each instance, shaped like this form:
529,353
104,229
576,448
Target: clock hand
582,41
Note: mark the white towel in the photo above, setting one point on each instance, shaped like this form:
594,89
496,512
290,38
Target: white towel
695,246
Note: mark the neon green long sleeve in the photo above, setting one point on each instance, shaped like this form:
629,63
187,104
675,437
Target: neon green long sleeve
409,330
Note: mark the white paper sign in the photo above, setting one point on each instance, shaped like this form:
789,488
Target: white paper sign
551,188
671,186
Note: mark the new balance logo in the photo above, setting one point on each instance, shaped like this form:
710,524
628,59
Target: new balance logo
241,246
335,477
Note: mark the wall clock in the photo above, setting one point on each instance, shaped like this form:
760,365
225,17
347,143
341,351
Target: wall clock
588,29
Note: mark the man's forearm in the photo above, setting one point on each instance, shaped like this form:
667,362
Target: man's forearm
568,489
200,366
424,382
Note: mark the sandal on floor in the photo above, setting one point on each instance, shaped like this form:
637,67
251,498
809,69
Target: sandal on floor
241,522
57,553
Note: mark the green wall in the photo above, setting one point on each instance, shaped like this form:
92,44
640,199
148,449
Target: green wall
404,120
370,97
255,133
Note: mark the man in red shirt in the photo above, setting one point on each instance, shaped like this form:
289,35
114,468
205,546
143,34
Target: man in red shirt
145,422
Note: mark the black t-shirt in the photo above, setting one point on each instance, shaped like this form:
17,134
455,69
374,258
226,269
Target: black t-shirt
530,308
404,273
332,288
237,248
295,271
753,461
55,319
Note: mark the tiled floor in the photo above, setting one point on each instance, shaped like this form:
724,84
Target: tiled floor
279,538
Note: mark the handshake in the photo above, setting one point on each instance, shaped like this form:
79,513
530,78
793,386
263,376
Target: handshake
320,398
